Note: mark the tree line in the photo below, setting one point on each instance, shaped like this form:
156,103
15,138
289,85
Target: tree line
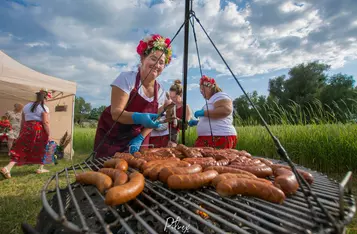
307,95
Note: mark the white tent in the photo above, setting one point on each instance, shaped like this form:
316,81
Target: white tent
18,84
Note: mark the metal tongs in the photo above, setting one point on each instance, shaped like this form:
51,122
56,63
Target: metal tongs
166,108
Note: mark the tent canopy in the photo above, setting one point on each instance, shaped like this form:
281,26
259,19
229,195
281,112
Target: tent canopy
18,84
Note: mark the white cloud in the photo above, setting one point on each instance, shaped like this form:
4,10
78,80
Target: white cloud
192,86
84,42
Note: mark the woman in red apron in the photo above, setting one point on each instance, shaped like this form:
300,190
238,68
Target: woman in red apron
170,135
30,146
135,101
216,119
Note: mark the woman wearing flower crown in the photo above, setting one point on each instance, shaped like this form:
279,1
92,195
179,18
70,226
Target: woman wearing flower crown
29,148
168,136
136,99
218,117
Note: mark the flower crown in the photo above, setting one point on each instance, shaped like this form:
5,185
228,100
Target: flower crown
155,42
207,81
48,93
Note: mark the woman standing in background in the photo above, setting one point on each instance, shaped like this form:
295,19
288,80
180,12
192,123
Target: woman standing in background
14,117
29,148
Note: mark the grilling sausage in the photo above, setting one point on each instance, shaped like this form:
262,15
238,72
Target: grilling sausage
154,162
226,176
223,169
120,164
250,187
191,181
266,161
153,171
168,171
285,180
126,192
261,171
307,176
189,152
118,176
100,180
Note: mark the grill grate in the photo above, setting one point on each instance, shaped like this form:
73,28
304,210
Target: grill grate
81,209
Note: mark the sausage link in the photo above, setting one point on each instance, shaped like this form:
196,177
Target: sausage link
126,192
261,172
285,180
226,176
307,176
226,169
250,187
118,176
191,181
168,171
100,180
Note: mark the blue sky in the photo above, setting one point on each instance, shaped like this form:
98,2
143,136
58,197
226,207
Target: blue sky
91,42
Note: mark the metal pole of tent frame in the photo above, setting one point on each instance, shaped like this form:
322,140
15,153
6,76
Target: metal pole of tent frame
185,61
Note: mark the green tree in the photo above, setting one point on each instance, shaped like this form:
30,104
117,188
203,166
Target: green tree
340,95
82,110
96,112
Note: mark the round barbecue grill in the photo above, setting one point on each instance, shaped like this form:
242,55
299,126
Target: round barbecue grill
69,207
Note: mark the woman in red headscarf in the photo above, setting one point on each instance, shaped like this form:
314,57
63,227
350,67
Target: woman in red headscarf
215,119
29,148
136,99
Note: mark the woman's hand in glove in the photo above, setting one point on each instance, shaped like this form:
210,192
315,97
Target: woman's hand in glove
145,119
192,122
135,143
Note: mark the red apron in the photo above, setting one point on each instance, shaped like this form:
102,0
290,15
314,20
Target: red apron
121,134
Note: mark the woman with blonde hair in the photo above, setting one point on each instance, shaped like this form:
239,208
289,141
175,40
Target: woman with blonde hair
136,99
29,148
14,117
162,137
215,118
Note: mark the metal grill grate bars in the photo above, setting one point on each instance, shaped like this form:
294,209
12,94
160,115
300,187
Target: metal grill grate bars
172,214
237,218
52,213
100,218
198,218
246,213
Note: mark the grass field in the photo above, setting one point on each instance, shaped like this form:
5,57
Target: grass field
328,148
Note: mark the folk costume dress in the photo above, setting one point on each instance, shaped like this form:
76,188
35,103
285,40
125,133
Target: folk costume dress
224,133
121,134
29,148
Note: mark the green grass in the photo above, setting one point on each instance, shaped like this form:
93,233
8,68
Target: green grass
20,195
328,148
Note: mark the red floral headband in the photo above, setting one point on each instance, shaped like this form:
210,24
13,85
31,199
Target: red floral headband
155,42
207,81
48,93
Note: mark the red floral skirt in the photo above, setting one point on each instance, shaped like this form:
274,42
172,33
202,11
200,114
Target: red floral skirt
30,147
159,141
221,142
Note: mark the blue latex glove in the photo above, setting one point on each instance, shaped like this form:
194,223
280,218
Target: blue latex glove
199,113
146,119
192,122
135,143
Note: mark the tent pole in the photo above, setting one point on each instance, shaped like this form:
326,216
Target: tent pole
72,123
185,61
